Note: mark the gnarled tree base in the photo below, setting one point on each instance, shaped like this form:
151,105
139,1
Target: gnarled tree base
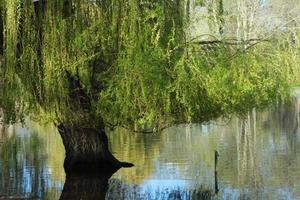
87,150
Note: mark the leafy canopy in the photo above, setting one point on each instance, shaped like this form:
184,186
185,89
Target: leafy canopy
131,63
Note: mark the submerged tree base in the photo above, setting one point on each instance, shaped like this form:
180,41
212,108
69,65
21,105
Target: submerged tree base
87,150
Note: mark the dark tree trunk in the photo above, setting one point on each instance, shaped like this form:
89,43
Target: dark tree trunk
87,150
85,187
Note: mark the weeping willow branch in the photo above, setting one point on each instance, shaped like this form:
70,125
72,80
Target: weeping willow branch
130,63
231,42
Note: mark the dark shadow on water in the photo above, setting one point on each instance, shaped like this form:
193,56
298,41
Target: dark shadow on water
86,186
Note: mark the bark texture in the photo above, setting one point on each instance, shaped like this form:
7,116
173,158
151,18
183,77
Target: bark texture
87,150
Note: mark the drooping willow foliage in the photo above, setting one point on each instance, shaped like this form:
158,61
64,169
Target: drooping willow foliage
129,62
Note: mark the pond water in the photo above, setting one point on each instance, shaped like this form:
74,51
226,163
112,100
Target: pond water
259,159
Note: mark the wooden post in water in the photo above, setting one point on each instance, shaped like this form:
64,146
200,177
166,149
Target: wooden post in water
216,172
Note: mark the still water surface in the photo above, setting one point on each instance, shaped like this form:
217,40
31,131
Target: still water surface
259,159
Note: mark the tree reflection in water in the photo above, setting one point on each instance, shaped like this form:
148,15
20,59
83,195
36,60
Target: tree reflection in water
98,187
258,159
24,171
86,186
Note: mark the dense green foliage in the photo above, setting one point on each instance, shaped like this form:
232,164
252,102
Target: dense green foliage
136,64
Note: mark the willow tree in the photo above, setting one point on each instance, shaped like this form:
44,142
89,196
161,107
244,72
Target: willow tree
86,65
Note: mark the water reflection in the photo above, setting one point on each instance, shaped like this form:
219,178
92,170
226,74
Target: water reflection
25,171
85,186
258,160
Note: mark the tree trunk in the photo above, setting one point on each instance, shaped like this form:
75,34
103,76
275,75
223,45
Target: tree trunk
87,150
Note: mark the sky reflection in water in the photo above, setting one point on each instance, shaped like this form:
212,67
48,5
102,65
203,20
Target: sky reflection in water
259,159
